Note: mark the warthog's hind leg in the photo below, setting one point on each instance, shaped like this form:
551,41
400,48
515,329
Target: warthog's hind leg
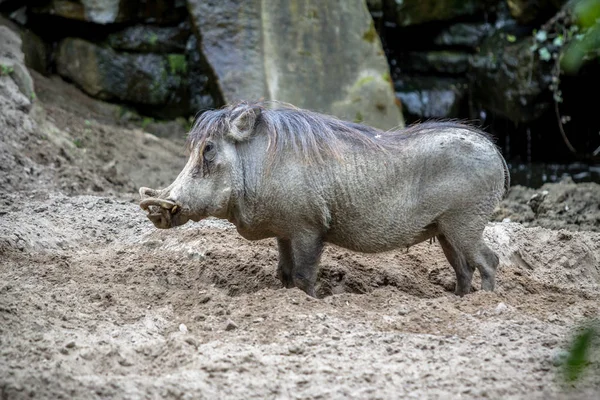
456,258
463,245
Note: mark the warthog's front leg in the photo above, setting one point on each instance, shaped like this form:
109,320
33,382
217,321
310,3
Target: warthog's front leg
285,268
306,253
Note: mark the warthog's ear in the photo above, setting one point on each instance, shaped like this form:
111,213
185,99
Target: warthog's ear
243,125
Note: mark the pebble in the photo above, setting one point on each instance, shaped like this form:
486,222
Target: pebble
183,328
559,357
294,349
125,362
403,310
70,345
500,308
191,341
230,325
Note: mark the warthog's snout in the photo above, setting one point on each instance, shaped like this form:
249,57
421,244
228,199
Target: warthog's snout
160,211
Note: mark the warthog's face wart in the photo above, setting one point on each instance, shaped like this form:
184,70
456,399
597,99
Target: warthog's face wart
204,186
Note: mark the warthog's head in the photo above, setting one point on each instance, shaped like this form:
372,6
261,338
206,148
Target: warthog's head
204,187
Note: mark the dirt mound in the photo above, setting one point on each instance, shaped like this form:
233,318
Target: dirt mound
99,296
568,205
84,151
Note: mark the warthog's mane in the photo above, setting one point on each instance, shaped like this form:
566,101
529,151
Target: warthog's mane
312,135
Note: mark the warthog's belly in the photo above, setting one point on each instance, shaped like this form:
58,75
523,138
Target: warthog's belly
375,239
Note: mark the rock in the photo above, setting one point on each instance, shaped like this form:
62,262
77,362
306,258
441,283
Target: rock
462,34
156,83
230,326
151,39
33,47
413,12
205,299
431,97
12,63
508,78
324,56
36,52
435,62
500,308
559,356
296,349
528,11
97,11
162,11
183,328
70,345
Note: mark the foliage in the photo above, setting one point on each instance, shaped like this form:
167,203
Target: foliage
177,64
586,16
568,40
6,69
580,349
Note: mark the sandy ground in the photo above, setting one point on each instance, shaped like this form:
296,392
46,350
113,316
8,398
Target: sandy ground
97,303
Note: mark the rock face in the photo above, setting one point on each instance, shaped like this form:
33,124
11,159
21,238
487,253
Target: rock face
325,56
156,81
413,12
510,79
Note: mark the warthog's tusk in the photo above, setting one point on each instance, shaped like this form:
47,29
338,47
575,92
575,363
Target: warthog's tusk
174,209
169,205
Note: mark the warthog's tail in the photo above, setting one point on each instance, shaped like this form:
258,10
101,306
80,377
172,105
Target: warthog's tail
506,176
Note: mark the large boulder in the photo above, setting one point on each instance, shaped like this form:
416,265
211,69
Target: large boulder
97,11
413,12
462,34
115,11
155,82
35,50
444,62
324,56
151,39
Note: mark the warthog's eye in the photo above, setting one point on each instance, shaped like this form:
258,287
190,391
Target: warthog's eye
209,152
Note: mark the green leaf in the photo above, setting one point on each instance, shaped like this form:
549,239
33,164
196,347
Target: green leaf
544,54
578,354
511,38
558,41
541,36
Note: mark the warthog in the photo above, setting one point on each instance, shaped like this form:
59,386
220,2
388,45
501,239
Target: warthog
308,179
